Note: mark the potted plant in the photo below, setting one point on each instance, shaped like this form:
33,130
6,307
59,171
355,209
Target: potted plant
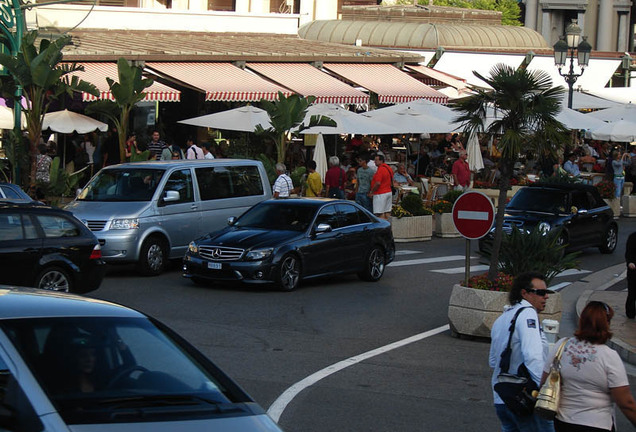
411,221
443,215
474,307
607,190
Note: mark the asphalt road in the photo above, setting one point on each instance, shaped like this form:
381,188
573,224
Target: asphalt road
268,341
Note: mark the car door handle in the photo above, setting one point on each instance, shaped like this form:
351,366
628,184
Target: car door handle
194,207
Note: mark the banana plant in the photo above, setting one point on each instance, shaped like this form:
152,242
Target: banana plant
127,91
43,78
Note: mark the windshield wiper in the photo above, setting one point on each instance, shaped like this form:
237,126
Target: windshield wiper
156,401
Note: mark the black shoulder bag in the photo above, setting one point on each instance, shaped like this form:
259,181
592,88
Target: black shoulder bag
517,391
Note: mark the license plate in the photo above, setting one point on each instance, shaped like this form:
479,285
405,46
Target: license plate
214,265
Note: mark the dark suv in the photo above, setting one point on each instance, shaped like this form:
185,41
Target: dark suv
48,248
586,219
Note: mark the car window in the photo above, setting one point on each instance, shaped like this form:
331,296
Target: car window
539,200
278,215
348,214
14,226
55,226
228,182
91,366
595,200
328,215
13,397
8,192
125,184
180,181
580,200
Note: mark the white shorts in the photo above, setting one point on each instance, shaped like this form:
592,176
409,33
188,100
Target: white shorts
382,203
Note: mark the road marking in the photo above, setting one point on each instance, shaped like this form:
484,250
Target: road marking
406,252
279,405
428,260
571,272
456,270
472,215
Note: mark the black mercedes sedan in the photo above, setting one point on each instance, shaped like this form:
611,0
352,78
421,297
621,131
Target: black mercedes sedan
287,240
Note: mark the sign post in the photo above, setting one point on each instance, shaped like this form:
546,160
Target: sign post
473,216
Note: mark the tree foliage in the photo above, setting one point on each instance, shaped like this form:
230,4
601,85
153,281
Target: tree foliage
526,105
43,78
511,13
127,91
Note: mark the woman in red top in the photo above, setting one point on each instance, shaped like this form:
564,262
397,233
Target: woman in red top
335,179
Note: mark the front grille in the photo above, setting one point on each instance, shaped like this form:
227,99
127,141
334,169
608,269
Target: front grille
508,224
95,225
220,253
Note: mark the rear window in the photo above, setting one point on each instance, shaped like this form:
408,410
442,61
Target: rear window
228,182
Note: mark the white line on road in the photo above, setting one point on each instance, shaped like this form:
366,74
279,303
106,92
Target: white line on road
279,405
560,286
406,252
571,272
428,260
456,270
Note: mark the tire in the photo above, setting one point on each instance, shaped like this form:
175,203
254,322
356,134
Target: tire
374,265
153,256
610,239
54,279
289,273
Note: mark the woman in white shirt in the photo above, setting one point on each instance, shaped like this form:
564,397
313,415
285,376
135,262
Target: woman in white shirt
593,376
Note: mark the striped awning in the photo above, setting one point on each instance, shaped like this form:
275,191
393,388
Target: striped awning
221,81
390,84
438,78
96,73
308,80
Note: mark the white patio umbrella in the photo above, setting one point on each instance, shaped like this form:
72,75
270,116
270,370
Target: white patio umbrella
7,119
66,121
244,119
475,161
573,119
622,112
420,106
409,120
320,157
620,131
347,122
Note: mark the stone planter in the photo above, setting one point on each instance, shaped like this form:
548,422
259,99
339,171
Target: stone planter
472,312
628,203
444,226
415,228
615,205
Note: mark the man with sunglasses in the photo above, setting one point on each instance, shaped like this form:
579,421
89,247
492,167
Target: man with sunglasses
529,346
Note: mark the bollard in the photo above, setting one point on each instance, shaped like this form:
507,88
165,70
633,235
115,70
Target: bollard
551,330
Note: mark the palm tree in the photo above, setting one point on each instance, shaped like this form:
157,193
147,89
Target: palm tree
43,79
526,105
286,116
127,91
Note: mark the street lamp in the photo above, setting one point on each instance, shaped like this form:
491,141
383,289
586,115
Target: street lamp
569,44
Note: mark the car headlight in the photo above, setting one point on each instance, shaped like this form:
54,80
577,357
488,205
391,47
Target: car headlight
193,248
544,227
258,254
124,224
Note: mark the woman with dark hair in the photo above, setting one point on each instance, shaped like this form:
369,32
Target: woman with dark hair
593,376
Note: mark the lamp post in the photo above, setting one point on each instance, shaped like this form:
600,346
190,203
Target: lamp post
569,45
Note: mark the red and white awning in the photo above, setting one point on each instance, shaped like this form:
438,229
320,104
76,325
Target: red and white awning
308,80
390,84
96,73
221,81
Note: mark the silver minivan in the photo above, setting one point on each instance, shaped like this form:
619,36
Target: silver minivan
148,212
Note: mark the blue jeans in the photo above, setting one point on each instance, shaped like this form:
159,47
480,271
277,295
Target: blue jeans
619,181
364,200
511,422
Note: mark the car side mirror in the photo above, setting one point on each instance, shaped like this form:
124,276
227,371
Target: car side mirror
171,196
322,228
231,220
582,212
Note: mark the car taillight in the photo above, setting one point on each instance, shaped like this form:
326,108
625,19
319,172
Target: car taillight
97,252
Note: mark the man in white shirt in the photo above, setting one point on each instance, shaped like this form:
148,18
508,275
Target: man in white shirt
283,184
529,346
206,151
193,151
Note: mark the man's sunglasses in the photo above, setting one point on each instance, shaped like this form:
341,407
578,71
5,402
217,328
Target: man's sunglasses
540,292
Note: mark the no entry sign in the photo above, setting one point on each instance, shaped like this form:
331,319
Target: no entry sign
473,215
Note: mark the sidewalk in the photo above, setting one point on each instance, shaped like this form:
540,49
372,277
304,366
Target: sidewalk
598,286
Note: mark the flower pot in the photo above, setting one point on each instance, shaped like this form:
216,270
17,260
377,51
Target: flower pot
415,228
628,203
444,226
615,205
472,312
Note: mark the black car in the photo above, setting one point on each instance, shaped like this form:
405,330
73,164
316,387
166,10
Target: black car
10,192
586,219
48,248
284,241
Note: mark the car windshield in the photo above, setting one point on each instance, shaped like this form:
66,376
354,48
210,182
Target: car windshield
278,215
539,200
122,184
93,368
